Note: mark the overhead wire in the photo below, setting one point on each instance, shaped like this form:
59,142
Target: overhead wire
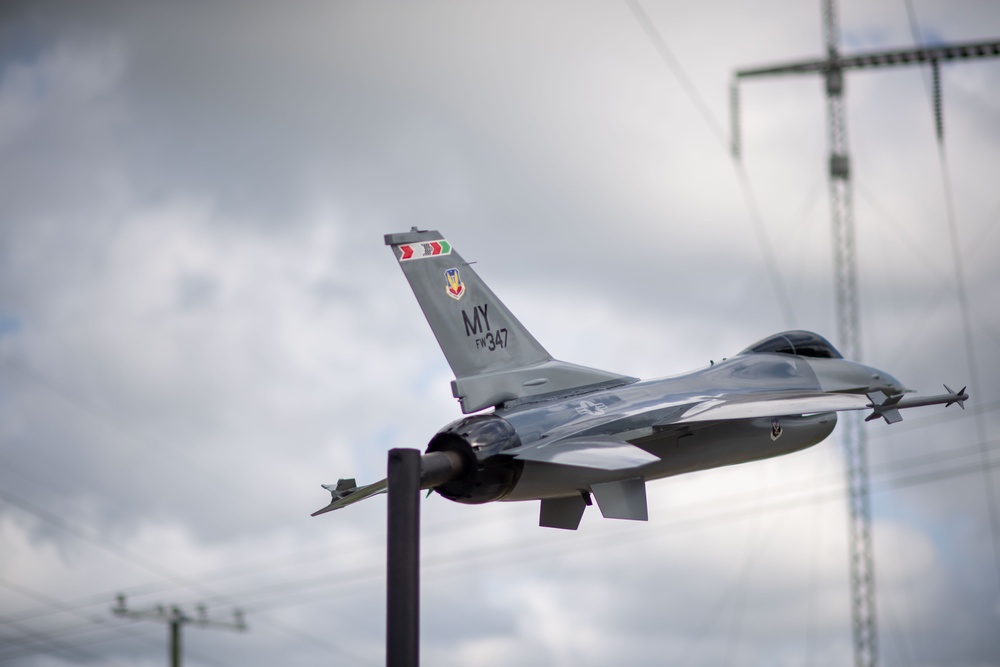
52,646
717,131
815,544
175,461
935,297
39,640
929,262
750,551
732,507
91,619
95,538
621,537
938,298
750,199
81,635
792,243
897,630
95,623
989,226
144,635
359,580
961,291
248,570
375,575
147,564
909,463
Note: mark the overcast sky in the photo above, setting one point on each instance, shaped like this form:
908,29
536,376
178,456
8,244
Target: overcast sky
200,324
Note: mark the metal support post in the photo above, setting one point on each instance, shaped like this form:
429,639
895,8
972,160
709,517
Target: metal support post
402,636
175,637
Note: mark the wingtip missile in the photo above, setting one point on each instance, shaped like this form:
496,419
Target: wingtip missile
436,468
888,407
346,492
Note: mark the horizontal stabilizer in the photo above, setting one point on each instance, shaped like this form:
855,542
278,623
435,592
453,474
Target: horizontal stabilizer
595,452
547,378
346,492
624,499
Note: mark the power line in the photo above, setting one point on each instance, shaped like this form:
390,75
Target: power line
62,607
176,618
134,558
735,627
886,469
959,272
656,39
749,561
786,497
720,510
756,220
150,443
832,68
49,645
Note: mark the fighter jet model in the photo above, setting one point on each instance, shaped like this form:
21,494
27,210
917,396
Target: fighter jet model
564,434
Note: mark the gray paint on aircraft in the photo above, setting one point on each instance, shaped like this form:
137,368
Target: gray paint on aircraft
561,433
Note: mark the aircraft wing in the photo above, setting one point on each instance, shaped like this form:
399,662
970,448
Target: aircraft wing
769,405
783,404
600,452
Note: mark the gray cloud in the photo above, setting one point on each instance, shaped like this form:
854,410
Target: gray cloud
199,323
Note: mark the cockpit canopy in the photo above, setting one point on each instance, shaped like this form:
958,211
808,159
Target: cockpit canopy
802,343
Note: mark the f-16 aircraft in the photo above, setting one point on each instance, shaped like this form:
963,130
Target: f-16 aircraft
565,434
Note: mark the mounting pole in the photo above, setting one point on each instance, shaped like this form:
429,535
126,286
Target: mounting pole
175,638
402,632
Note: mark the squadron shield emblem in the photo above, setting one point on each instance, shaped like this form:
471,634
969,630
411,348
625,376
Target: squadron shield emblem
454,285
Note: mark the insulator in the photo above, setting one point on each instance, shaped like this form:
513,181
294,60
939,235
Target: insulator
936,93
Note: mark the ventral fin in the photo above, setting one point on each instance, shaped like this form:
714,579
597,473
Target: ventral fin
622,499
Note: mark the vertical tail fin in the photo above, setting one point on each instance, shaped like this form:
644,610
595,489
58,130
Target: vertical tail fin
494,358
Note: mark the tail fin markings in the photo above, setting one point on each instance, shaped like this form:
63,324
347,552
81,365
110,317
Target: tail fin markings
494,357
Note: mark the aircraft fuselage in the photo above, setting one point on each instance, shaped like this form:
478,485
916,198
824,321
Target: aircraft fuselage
563,433
632,413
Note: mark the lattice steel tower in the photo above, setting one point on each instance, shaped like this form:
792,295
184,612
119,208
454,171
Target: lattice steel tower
862,567
832,68
855,442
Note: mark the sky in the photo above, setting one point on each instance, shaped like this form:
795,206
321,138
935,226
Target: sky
200,324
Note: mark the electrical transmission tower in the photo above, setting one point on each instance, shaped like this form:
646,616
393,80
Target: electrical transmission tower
175,618
832,68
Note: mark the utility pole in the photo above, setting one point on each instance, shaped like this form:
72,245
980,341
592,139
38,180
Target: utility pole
832,68
175,617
